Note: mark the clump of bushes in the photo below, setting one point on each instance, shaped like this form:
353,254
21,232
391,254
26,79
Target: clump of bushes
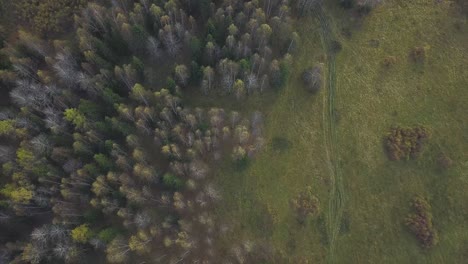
405,143
420,223
312,79
389,61
306,204
444,162
418,54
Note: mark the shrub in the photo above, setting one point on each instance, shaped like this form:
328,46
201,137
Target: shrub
405,143
306,204
335,46
420,223
444,161
389,61
280,144
312,79
418,54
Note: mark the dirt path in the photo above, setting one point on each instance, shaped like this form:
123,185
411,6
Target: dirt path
336,199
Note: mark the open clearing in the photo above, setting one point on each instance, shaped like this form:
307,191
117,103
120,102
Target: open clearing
370,99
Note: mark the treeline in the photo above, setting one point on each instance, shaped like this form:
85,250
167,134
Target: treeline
98,158
46,16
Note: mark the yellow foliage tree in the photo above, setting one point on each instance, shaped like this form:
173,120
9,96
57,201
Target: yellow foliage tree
82,233
18,195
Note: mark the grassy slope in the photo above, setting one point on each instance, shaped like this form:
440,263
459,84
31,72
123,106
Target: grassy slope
369,100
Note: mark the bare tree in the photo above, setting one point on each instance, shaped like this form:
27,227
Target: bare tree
4,217
198,169
41,235
30,94
153,48
53,119
41,144
118,251
26,68
312,79
6,114
212,193
33,44
7,153
228,70
127,75
58,232
95,18
66,67
251,83
170,40
208,79
142,220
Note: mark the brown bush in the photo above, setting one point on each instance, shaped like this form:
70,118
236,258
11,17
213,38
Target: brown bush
420,223
389,61
444,161
405,143
418,54
306,204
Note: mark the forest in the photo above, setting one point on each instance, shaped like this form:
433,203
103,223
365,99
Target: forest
128,128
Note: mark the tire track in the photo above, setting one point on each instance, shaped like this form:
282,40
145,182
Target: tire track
336,199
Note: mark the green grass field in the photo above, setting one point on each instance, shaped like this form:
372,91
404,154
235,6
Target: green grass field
257,199
369,100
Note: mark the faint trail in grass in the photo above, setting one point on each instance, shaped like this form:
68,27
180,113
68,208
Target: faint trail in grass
336,199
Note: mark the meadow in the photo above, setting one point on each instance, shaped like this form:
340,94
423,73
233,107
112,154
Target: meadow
370,98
